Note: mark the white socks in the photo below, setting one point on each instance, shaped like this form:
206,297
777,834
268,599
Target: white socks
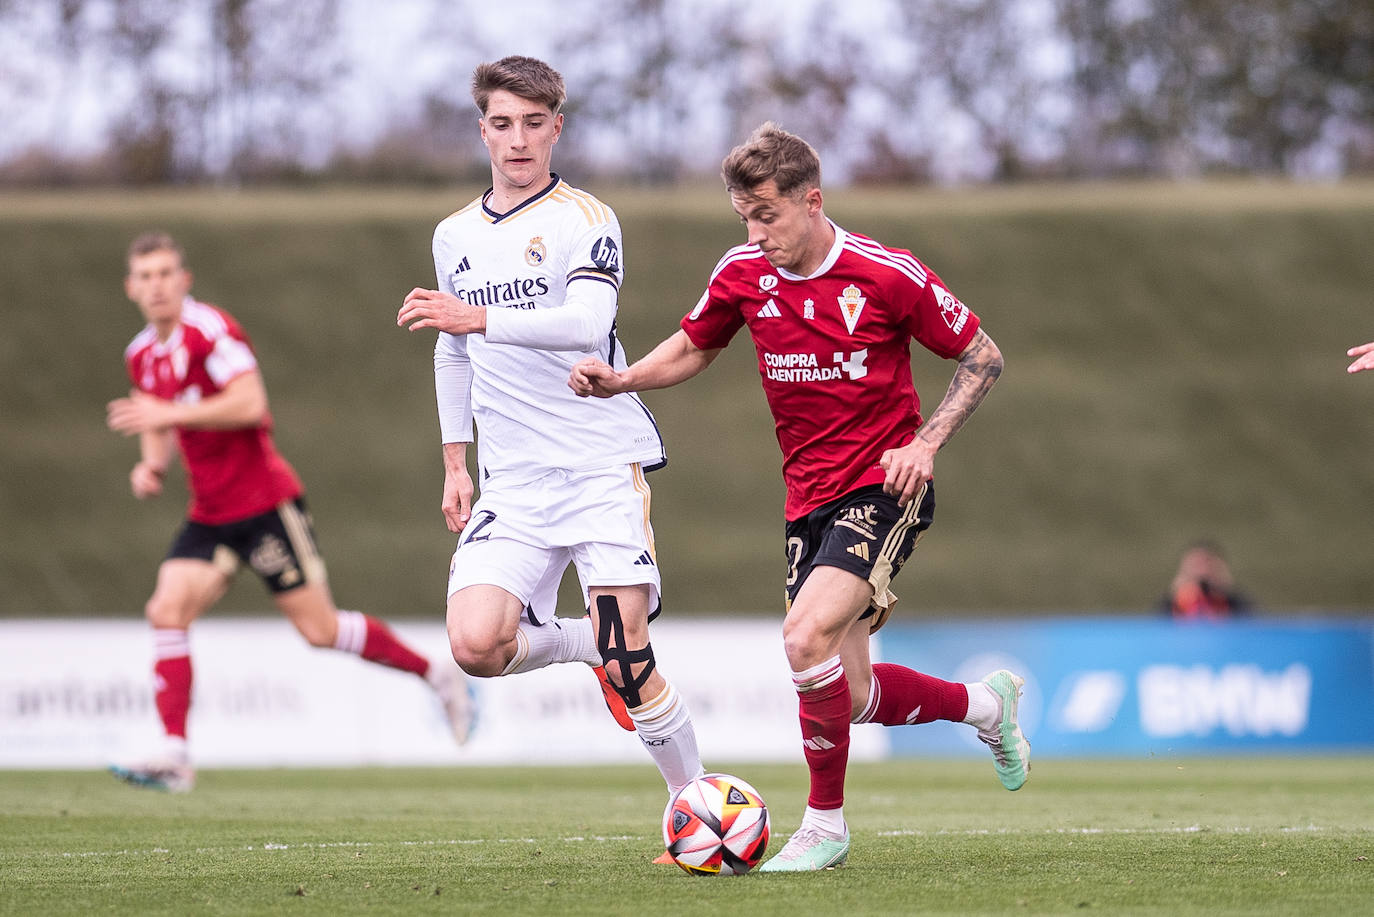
664,725
351,634
560,640
829,822
176,750
982,707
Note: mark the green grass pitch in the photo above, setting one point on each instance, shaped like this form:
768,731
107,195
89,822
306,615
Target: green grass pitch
1159,836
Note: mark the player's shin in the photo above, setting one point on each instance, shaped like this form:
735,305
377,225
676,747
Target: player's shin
369,638
664,725
900,696
560,640
172,684
825,708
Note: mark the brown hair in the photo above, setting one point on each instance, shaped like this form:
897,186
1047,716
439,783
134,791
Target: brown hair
772,153
525,77
155,241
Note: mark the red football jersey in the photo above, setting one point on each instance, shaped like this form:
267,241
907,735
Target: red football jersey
834,354
233,474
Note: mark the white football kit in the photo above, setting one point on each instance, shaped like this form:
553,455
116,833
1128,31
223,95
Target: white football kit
560,477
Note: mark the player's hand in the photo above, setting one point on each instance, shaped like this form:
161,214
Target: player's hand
457,503
907,469
444,311
1365,352
594,378
140,413
146,480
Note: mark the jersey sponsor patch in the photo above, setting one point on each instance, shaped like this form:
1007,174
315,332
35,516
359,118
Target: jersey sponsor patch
605,254
952,310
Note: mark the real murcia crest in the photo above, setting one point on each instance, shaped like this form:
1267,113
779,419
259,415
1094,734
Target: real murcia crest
851,304
535,252
809,309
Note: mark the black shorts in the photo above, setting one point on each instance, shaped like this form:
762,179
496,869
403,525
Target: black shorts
864,532
279,545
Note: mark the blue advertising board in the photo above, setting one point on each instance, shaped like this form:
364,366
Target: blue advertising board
1114,686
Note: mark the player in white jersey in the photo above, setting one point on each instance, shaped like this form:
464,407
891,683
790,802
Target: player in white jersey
528,277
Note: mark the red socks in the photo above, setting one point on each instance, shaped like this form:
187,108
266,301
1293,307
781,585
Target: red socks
172,679
823,693
369,638
903,697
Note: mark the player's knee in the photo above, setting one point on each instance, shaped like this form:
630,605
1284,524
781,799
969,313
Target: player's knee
477,656
163,611
801,641
628,665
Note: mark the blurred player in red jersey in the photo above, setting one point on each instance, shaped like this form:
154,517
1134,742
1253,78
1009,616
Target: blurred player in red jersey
832,315
197,387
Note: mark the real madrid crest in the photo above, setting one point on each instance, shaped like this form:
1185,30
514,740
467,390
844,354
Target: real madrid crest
851,304
535,252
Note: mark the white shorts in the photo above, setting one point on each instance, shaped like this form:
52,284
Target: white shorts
522,537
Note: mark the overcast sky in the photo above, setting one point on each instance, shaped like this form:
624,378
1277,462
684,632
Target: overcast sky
397,54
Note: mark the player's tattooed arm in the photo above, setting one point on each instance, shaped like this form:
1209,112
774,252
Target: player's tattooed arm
909,467
979,366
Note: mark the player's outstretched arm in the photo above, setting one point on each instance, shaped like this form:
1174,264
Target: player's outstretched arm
675,360
436,309
241,403
1365,352
912,465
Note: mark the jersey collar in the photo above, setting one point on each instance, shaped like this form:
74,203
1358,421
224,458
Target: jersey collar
161,347
528,202
831,257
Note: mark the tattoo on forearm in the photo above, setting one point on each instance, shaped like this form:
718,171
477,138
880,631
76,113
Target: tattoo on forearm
978,369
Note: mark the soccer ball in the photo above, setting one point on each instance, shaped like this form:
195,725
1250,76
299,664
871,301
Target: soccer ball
717,825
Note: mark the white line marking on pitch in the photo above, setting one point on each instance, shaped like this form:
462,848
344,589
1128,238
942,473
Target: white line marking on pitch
271,846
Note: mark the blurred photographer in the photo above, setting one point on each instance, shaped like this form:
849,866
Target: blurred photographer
1203,587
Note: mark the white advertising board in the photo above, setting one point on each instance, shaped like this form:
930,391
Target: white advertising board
77,694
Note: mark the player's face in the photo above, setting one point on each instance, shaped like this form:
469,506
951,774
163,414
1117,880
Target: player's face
158,283
784,226
519,135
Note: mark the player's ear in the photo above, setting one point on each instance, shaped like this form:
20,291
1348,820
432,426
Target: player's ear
557,126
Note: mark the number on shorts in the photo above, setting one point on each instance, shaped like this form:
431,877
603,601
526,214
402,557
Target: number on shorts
794,554
488,517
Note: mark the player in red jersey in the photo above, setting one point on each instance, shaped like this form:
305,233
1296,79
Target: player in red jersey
197,388
832,314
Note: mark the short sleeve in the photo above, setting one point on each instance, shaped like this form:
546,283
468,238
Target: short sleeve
715,319
938,320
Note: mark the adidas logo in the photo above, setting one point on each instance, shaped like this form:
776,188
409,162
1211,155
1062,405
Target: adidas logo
462,266
644,559
859,550
769,310
818,743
